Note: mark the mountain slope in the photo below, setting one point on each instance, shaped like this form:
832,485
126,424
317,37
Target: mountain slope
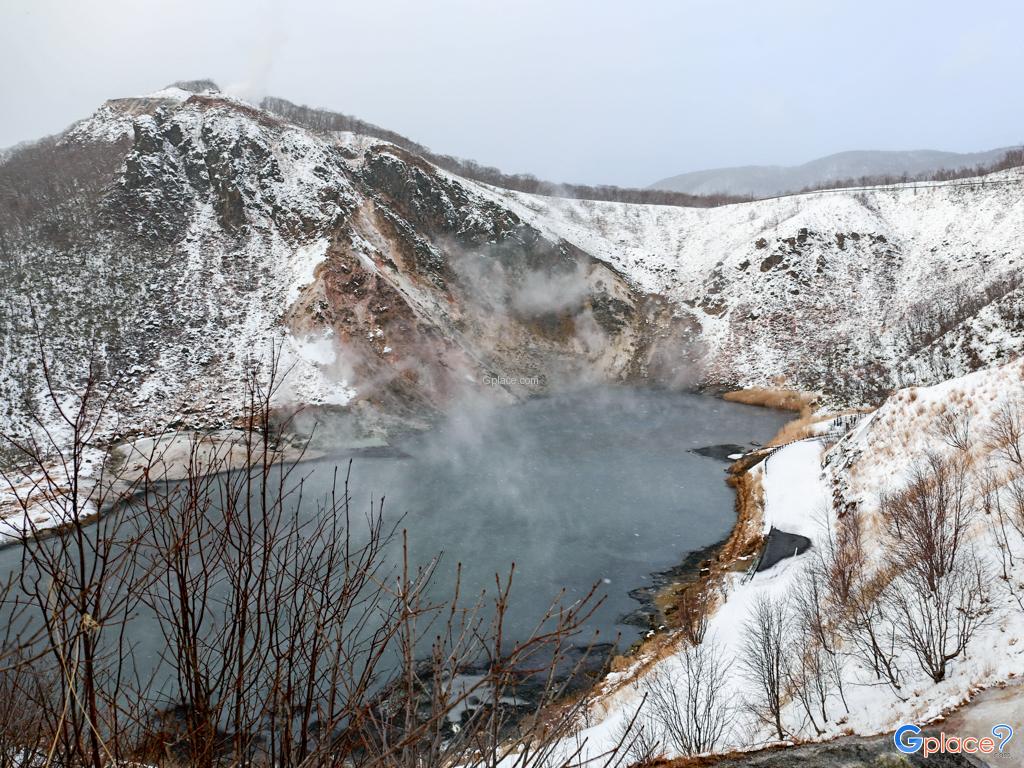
768,180
175,239
849,292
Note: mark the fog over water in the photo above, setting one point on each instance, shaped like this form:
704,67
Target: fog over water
594,487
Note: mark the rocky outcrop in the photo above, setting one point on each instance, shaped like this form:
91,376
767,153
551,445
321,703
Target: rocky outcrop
373,274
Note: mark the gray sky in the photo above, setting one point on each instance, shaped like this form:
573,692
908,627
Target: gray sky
596,92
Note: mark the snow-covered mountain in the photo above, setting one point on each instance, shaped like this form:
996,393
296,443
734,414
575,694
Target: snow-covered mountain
176,236
848,292
173,237
767,180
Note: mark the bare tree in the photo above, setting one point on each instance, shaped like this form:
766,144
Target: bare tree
819,668
937,622
1004,499
870,627
764,663
1005,434
929,520
853,593
686,704
809,681
939,592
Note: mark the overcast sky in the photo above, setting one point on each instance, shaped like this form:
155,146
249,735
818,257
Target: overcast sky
576,91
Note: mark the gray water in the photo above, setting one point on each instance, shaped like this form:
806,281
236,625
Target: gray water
596,487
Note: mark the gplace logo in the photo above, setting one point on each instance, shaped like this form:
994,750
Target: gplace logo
908,740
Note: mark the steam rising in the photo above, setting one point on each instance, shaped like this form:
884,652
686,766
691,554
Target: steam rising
261,56
575,489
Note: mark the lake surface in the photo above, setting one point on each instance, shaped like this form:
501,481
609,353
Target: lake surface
595,487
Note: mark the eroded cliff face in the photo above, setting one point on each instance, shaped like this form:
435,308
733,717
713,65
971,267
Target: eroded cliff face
216,235
431,291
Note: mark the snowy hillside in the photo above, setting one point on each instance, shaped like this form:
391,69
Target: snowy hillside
845,496
845,291
176,238
185,236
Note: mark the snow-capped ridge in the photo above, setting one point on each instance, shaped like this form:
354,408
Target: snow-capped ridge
819,291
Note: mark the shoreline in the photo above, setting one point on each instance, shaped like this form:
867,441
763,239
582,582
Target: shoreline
701,572
971,710
744,539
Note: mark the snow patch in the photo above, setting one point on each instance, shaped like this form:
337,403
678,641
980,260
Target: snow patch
303,268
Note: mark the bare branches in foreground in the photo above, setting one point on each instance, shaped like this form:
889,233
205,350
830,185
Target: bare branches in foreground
288,638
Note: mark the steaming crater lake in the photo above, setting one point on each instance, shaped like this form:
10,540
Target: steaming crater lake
594,487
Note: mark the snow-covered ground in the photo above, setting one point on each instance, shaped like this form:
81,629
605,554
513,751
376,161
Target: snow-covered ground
804,484
42,500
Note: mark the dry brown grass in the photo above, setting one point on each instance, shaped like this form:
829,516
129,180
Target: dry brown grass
802,403
783,399
797,429
803,426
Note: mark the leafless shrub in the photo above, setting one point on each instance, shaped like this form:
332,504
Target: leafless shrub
75,590
24,696
640,738
955,429
289,641
686,706
693,609
939,593
764,662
